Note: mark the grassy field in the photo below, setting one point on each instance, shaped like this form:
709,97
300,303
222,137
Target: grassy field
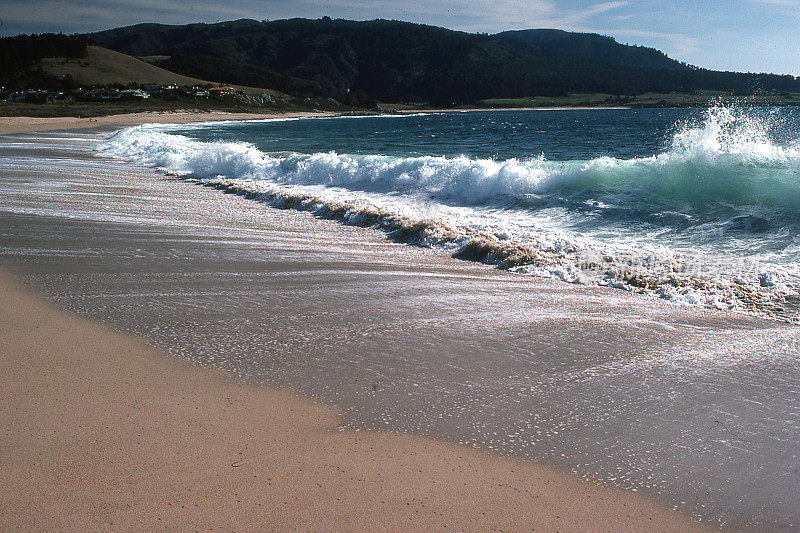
105,67
571,100
702,99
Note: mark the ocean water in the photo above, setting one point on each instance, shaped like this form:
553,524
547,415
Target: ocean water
698,206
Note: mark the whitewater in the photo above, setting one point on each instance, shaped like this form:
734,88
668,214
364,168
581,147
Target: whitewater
694,407
700,207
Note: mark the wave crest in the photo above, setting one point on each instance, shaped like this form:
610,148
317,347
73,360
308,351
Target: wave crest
734,135
725,166
723,177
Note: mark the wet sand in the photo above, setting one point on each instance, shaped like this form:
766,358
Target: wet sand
100,431
385,331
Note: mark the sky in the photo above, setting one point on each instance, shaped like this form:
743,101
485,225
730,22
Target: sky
742,35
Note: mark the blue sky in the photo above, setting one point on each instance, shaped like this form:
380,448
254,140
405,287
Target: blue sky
745,35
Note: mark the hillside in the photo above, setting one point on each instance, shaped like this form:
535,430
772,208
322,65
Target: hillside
398,61
21,54
103,66
592,47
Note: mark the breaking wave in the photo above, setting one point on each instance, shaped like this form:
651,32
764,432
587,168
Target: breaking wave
721,181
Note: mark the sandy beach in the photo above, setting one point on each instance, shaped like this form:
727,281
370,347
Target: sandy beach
102,430
27,124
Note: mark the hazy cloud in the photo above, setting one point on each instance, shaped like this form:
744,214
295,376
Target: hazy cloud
785,7
593,10
684,44
783,3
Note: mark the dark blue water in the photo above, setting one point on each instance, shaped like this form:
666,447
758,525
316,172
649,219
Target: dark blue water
560,135
713,167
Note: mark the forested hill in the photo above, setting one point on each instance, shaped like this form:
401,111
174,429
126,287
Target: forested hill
393,61
20,54
592,47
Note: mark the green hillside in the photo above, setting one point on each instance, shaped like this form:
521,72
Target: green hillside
359,63
102,66
398,61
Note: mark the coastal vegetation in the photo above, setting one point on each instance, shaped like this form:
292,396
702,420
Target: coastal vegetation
21,56
344,64
392,61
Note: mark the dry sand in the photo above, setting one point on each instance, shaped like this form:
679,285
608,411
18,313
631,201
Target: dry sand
27,124
100,431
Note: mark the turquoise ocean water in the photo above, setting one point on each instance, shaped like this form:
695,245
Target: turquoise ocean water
698,206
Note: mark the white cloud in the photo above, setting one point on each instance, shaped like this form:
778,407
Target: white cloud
790,8
499,15
681,43
783,3
591,11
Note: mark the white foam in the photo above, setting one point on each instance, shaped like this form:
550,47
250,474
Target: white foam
728,158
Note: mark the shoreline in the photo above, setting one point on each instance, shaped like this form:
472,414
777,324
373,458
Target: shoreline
25,124
489,109
558,468
21,124
103,431
82,435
